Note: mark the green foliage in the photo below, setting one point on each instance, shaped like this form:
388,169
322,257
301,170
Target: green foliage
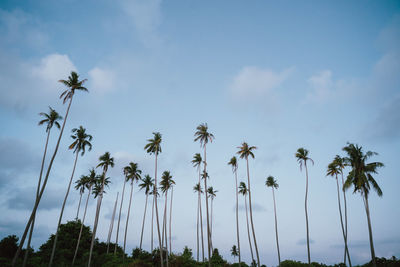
8,246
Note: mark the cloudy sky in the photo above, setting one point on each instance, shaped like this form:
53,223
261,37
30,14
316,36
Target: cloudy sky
279,75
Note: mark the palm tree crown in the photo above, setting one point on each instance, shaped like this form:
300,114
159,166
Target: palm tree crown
243,188
50,119
97,185
245,151
233,163
166,181
212,192
197,188
82,139
73,84
302,157
203,135
154,145
81,184
271,182
105,161
132,172
147,184
196,161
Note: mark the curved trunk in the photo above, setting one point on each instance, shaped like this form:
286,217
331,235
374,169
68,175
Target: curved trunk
80,231
79,204
208,221
371,241
62,211
127,220
157,220
276,228
237,216
28,225
170,221
37,195
248,229
251,214
119,217
112,224
345,222
305,208
144,218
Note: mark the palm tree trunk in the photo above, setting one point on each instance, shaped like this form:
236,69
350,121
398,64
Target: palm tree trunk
62,211
276,228
112,224
157,220
79,204
251,214
165,226
371,241
37,195
197,228
341,221
237,216
211,223
96,219
127,220
170,221
345,222
21,243
305,208
152,224
208,220
201,218
80,231
248,229
144,218
119,217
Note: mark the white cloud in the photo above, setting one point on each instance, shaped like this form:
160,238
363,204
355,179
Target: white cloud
53,68
322,86
251,83
102,80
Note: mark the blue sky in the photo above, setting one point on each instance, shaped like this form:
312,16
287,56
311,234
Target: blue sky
279,75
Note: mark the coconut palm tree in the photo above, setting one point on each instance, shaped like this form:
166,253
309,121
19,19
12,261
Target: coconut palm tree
73,83
271,182
244,191
166,183
89,182
245,151
234,252
49,120
170,216
152,215
154,147
203,136
197,188
80,186
340,164
197,164
81,141
302,158
211,194
119,217
147,184
234,165
112,224
105,161
132,173
333,170
361,178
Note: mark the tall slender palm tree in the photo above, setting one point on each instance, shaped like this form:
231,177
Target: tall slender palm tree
49,120
361,178
271,182
153,192
203,136
234,252
245,151
340,164
81,141
73,83
211,194
147,184
302,158
197,164
154,147
80,185
197,188
90,181
132,173
105,161
119,217
234,165
333,170
166,183
112,224
244,191
170,216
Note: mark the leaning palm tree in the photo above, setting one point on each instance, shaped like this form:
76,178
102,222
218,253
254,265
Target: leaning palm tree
105,161
50,120
234,165
197,164
302,158
203,136
154,147
340,164
73,84
119,217
132,173
271,182
80,185
211,194
244,191
170,215
89,182
197,188
147,184
333,170
361,178
245,151
81,141
166,184
153,192
112,224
